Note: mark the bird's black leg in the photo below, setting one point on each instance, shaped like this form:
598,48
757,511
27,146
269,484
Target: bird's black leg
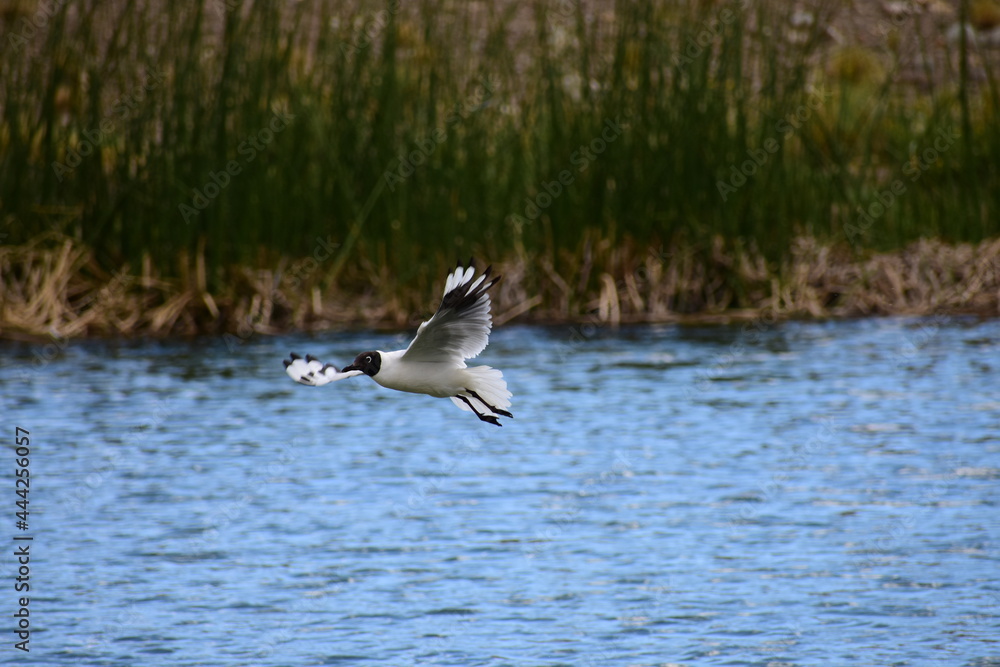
486,418
496,410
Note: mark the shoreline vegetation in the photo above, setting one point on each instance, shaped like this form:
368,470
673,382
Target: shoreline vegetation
237,167
53,289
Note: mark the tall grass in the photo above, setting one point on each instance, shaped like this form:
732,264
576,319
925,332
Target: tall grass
407,135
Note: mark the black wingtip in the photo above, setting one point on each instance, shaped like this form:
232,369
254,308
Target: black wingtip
310,358
295,356
287,363
487,283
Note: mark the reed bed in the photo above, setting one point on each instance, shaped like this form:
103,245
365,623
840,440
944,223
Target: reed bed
54,288
293,165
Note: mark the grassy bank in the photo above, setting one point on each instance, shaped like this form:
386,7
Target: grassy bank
54,287
213,154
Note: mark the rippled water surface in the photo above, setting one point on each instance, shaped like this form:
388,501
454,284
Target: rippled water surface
808,494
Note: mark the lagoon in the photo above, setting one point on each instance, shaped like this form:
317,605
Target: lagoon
797,494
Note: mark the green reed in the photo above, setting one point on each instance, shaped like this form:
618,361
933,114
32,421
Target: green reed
408,135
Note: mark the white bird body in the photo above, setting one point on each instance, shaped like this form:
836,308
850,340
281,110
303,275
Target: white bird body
434,362
419,377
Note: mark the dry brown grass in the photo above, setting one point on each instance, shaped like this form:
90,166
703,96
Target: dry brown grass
54,287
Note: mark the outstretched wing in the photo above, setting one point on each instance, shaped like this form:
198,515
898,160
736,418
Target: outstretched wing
460,329
313,372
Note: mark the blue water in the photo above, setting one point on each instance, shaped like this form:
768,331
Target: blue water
797,494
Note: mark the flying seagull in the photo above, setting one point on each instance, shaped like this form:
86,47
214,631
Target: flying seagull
434,363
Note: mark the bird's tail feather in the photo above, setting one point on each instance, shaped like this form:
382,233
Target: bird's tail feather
489,385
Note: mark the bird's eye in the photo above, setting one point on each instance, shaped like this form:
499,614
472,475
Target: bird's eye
368,359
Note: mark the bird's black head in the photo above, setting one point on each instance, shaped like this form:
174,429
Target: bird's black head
368,363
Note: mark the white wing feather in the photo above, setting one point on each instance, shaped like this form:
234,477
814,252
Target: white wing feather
460,329
313,372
